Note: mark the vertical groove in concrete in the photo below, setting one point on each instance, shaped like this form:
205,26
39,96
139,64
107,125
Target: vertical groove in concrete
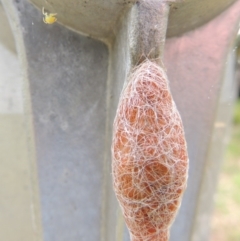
67,82
26,142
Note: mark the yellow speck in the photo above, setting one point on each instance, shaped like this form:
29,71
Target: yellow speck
49,18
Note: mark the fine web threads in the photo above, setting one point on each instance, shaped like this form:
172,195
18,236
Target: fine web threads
149,154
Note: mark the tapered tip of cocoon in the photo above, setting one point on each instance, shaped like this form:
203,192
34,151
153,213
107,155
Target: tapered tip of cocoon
149,154
161,236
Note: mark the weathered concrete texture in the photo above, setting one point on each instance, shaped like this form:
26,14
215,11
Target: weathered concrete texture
198,72
71,91
94,18
6,35
17,202
67,76
98,18
190,14
216,150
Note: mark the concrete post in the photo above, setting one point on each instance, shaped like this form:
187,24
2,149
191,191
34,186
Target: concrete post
71,85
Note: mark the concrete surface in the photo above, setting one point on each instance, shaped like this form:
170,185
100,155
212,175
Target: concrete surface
71,85
6,35
19,201
99,18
